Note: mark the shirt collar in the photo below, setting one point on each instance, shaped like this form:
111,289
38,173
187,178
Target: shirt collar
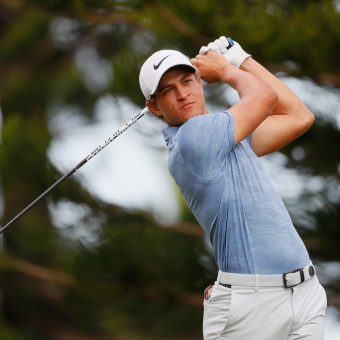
169,133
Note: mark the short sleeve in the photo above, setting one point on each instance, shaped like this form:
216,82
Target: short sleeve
205,141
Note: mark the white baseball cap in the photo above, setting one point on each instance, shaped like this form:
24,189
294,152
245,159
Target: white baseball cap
156,65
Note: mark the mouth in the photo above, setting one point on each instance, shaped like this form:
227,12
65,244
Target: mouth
187,106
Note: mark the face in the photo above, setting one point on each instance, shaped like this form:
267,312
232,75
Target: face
179,97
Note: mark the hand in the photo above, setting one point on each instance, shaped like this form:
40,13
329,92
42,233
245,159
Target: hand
207,292
230,49
213,67
220,45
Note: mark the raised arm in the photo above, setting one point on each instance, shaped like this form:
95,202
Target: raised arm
290,118
257,100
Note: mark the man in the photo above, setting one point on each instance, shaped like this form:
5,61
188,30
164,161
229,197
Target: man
266,287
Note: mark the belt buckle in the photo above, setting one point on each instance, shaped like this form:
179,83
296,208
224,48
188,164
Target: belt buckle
284,277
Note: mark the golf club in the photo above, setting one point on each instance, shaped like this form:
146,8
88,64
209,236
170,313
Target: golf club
77,167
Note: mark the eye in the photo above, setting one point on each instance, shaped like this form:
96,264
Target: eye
167,90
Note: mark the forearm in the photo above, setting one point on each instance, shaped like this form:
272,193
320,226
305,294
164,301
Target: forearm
256,104
288,103
290,117
251,89
257,99
214,68
246,84
287,117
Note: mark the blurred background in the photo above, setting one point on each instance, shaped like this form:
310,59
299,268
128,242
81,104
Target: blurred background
113,253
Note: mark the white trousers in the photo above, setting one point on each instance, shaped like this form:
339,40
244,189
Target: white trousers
265,313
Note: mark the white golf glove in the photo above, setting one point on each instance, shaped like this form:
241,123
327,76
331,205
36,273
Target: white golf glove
230,49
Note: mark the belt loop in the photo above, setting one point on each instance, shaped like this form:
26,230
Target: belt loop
219,276
302,275
256,282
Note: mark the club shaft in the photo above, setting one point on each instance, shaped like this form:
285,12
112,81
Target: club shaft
45,193
77,167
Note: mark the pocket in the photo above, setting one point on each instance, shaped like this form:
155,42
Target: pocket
318,296
216,311
207,292
310,300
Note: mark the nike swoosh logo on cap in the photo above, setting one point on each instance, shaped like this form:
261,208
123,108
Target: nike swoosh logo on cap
159,64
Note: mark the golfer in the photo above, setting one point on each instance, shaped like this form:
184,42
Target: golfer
266,287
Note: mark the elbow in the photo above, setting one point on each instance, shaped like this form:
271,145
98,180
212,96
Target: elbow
307,119
310,119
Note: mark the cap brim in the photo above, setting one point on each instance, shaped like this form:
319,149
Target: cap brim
167,69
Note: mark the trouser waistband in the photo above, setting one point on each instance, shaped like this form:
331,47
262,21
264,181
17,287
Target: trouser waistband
286,280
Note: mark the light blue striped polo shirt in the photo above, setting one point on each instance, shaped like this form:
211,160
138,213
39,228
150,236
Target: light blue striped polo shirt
232,198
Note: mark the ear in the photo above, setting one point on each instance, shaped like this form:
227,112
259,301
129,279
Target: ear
152,106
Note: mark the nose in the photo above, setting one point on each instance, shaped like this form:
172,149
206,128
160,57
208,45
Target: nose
182,92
